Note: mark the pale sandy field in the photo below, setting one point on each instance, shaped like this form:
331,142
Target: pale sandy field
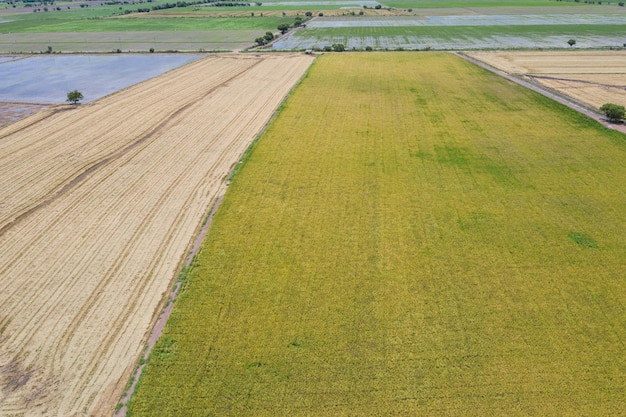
98,207
592,77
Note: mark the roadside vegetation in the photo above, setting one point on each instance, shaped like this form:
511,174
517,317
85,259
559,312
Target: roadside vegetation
412,236
613,112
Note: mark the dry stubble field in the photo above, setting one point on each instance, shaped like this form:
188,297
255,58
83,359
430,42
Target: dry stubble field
591,77
99,205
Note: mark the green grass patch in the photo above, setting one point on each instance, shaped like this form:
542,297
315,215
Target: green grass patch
583,240
399,242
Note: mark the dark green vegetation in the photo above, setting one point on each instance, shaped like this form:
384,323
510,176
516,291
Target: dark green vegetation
613,112
74,97
411,236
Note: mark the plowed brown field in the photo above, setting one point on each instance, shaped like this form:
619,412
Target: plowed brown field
98,205
591,77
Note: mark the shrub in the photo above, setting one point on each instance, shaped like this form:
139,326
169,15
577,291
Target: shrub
613,112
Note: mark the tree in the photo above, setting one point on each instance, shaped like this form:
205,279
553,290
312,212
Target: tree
283,28
260,41
269,36
74,97
339,47
613,112
571,42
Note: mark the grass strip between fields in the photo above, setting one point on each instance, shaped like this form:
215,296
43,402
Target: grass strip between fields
411,236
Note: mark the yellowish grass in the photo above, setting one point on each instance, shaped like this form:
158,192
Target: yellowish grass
412,236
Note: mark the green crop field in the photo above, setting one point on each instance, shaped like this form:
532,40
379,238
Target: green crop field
411,236
141,23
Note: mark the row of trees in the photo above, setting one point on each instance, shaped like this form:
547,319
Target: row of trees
264,40
283,28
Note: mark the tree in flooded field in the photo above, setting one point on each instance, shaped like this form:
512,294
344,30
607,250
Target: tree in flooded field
74,97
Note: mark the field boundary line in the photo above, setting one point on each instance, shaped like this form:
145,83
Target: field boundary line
186,265
546,92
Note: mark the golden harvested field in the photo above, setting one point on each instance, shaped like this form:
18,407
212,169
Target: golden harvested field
98,206
592,77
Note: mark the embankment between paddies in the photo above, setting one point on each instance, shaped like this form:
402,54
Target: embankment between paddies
411,236
98,205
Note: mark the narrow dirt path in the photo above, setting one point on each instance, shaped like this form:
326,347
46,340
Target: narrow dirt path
569,102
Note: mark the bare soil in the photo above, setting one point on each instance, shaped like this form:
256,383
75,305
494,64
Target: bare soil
11,112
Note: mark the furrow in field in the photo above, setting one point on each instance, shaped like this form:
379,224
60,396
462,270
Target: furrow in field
94,263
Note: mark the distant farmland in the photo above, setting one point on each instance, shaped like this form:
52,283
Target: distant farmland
411,236
454,37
